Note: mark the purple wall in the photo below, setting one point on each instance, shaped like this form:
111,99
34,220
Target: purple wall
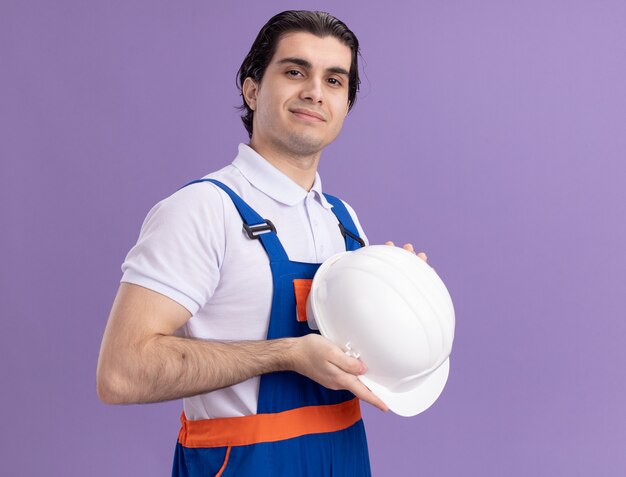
491,134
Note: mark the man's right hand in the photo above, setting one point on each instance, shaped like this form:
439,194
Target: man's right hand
322,361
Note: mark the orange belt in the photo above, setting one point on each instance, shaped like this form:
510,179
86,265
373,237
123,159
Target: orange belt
246,430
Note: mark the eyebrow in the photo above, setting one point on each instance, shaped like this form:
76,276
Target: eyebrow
307,65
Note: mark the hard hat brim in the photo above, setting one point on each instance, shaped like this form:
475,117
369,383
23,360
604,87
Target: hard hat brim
417,400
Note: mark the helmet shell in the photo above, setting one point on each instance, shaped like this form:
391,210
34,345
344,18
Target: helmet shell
388,307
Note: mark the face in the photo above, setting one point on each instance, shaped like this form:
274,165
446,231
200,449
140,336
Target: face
302,100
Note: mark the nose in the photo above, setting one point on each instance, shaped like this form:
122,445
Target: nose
312,90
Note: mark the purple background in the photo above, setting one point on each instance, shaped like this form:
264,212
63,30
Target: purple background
492,134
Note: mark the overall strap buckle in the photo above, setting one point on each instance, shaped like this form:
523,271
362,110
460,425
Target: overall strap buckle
254,231
345,231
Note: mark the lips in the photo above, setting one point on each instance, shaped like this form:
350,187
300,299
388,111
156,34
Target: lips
307,114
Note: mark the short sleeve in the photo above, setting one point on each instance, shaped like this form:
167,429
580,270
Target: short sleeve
181,247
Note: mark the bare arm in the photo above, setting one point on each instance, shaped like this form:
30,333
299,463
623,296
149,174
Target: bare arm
140,361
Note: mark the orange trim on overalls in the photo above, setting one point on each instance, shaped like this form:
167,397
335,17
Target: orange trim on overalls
302,288
256,428
223,468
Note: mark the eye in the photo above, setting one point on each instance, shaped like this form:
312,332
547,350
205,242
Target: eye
293,73
334,81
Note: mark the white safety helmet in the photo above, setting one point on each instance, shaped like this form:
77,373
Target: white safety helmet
388,307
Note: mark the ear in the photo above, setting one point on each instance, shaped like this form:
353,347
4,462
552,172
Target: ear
250,89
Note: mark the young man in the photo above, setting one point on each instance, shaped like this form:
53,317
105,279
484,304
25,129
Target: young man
206,310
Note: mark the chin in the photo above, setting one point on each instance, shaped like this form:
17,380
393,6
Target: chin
305,145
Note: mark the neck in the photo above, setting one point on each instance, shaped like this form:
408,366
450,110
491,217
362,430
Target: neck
300,169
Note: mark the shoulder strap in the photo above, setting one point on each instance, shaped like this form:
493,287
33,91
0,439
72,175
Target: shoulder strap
255,226
346,224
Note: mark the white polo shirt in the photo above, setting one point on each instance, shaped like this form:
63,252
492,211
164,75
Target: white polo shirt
192,248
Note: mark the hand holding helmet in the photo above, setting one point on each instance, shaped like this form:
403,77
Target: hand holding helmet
317,358
389,307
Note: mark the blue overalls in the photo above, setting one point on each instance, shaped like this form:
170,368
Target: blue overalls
301,428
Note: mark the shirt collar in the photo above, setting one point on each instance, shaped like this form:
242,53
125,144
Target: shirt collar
272,182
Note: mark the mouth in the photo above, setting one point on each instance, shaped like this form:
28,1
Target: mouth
307,115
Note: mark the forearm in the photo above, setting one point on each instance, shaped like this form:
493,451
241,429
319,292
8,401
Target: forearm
141,361
170,367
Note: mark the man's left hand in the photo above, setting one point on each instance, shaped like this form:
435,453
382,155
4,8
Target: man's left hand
409,247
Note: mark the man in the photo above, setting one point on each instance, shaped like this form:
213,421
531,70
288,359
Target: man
206,310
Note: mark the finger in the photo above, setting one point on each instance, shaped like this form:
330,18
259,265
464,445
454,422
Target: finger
389,242
348,364
423,256
409,247
351,382
361,391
